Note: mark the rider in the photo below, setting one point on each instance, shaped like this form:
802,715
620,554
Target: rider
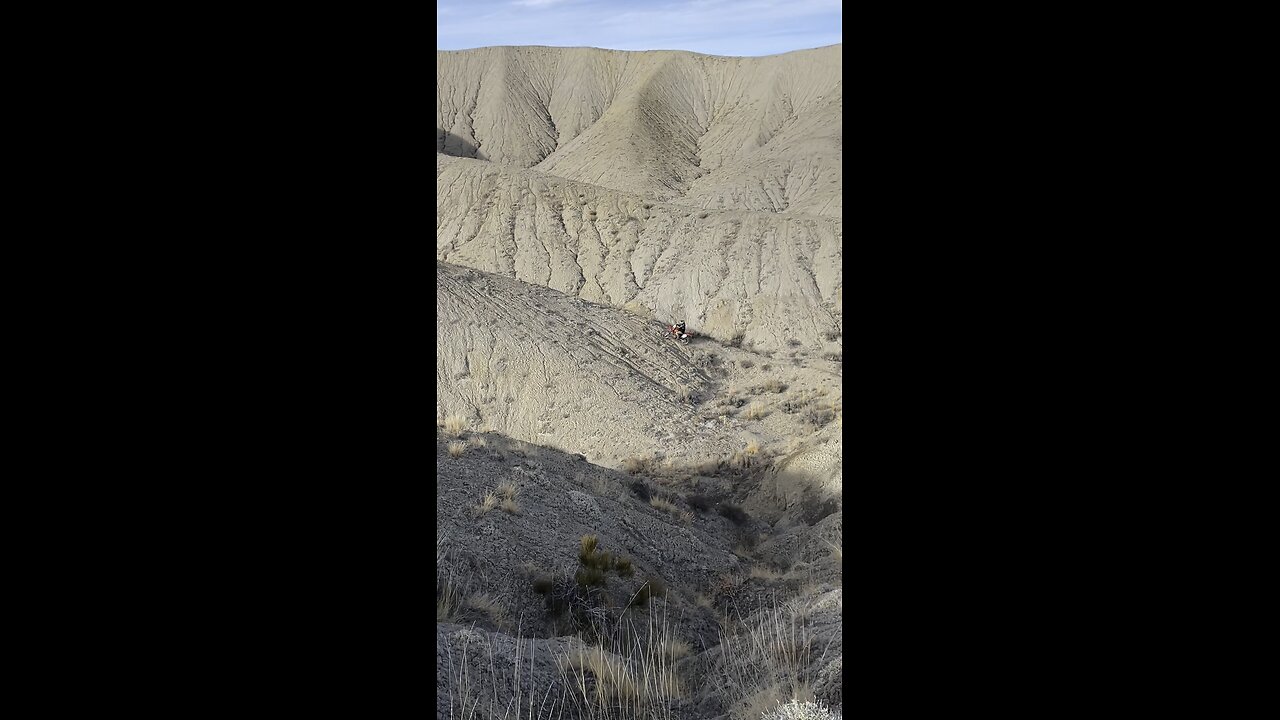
680,329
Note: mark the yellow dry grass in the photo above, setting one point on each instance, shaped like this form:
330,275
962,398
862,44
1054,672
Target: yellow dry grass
455,424
487,503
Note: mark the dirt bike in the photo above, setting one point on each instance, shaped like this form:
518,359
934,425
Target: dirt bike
674,332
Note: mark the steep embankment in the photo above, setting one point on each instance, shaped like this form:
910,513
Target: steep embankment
772,279
537,365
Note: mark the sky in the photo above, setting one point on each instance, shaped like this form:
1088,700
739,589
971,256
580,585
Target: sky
748,28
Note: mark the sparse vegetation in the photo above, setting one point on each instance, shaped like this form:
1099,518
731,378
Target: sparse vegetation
635,465
488,606
755,411
641,490
818,416
797,710
671,509
487,503
457,448
454,425
509,506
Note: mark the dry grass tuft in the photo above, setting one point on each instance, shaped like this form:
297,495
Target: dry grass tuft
478,441
510,507
755,411
487,503
508,489
487,605
673,648
671,509
455,424
457,448
753,448
634,465
448,599
767,663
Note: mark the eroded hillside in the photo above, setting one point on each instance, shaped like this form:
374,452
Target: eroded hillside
769,280
751,133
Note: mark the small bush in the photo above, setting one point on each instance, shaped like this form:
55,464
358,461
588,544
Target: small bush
753,448
455,424
509,506
589,543
775,386
634,465
641,490
623,567
755,411
589,577
487,503
508,489
733,513
664,505
456,448
488,606
819,416
542,584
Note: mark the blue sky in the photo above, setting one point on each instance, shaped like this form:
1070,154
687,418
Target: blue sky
714,27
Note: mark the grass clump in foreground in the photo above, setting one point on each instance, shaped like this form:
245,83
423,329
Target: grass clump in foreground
456,448
770,662
455,424
796,710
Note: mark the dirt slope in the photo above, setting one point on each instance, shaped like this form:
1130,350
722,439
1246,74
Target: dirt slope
770,278
540,366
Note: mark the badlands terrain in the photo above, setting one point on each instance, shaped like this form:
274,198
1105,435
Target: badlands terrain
630,527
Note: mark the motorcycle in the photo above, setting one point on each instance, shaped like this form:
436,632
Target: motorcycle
683,337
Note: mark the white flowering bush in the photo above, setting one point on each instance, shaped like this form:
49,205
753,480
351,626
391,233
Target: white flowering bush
796,710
